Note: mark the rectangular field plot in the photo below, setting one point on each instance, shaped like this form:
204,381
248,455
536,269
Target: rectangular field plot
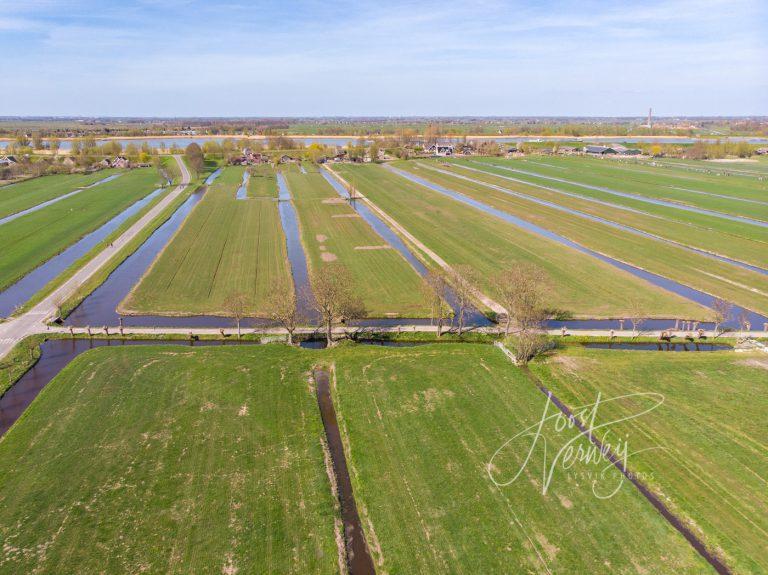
226,247
34,238
583,285
333,232
24,195
703,449
169,459
422,426
742,286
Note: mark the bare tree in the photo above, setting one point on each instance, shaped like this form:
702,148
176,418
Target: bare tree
723,310
236,306
435,288
461,277
744,322
528,343
335,300
636,316
522,291
282,307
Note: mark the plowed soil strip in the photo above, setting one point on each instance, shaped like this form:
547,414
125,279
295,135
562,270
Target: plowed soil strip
654,500
358,557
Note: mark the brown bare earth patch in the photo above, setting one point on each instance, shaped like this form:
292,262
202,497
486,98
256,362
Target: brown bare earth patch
383,247
565,502
321,238
334,201
572,364
328,257
345,216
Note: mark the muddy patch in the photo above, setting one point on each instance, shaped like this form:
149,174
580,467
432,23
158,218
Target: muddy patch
345,216
334,201
328,257
321,238
383,247
754,362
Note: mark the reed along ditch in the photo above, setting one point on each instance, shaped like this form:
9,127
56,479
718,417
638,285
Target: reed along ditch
20,292
689,293
359,559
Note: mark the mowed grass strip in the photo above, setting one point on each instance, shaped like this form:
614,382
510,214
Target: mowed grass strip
263,182
29,193
742,286
168,459
34,238
705,221
728,245
662,185
582,285
226,247
703,449
332,231
422,425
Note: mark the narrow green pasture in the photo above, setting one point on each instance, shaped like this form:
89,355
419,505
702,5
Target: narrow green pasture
582,285
422,425
168,459
331,231
736,284
29,193
262,183
703,449
226,247
33,239
705,221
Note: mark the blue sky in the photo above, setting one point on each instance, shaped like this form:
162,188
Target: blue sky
293,58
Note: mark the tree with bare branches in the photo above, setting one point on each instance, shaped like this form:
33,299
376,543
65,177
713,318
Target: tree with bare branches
522,290
636,316
335,300
236,307
435,288
282,307
461,277
723,309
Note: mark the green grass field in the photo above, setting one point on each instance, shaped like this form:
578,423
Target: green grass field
29,193
225,247
36,237
460,234
170,460
263,182
742,286
705,221
712,468
728,245
661,183
423,424
332,231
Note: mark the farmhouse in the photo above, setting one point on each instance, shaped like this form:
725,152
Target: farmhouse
762,151
285,159
568,150
441,149
624,151
599,150
8,161
121,162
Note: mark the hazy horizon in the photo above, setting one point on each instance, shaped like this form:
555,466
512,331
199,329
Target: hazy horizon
187,58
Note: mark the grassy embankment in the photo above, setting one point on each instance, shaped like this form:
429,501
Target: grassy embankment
739,285
582,286
706,221
331,231
712,466
668,184
722,243
36,237
177,460
29,193
226,246
422,426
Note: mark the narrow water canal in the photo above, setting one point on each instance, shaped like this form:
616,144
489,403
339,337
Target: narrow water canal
591,217
682,290
20,292
358,557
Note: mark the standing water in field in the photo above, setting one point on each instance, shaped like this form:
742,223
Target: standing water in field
42,205
242,191
20,292
472,315
689,293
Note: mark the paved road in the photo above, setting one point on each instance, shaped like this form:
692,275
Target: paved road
34,321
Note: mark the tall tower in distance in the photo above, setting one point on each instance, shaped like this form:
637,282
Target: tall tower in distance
650,118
